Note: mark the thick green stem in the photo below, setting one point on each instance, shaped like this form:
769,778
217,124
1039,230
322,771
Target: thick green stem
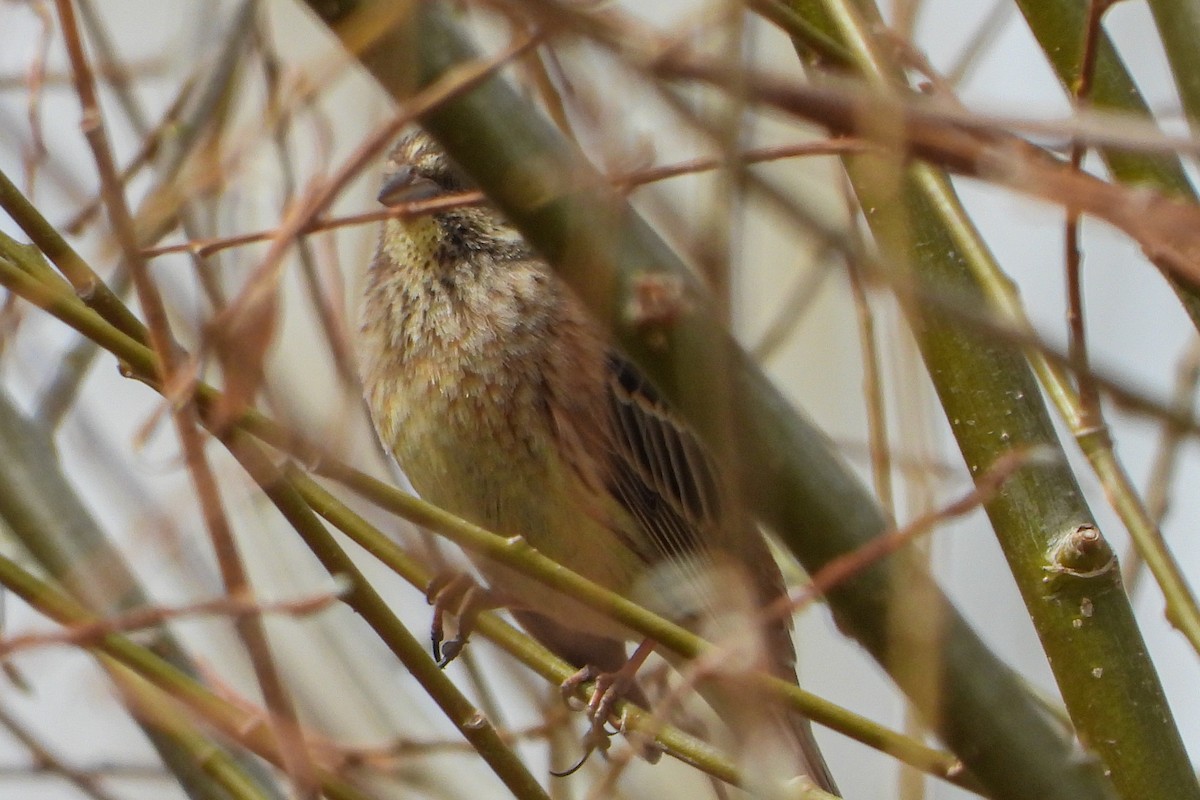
43,512
1064,569
790,476
141,363
1178,24
1058,26
175,685
370,605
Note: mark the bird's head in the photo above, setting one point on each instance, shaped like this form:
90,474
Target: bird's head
418,169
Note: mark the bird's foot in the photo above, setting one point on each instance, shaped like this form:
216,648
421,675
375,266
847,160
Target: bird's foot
458,596
610,688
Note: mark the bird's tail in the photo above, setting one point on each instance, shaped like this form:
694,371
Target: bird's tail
775,744
812,761
728,603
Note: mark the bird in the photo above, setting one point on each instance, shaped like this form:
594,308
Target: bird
505,403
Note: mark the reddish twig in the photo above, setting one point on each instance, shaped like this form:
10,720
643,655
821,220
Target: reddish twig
233,572
91,633
847,566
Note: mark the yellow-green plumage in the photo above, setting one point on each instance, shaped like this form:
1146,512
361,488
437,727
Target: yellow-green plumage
504,404
458,376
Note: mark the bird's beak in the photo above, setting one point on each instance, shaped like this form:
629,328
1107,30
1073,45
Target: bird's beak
406,186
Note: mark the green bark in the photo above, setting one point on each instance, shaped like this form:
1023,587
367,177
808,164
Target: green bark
794,480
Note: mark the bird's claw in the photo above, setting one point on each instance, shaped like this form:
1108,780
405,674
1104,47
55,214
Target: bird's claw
459,596
449,650
571,685
609,689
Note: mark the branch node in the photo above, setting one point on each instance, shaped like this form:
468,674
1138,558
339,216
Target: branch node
1082,553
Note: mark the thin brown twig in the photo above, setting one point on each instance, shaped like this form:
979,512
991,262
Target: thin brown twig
322,193
108,63
674,58
915,406
846,566
1166,460
148,67
146,152
1091,420
35,82
538,77
876,406
241,332
837,146
45,760
142,772
964,142
184,415
628,181
979,43
389,757
138,619
323,304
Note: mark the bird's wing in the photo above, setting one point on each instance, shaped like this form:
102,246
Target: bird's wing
657,468
661,473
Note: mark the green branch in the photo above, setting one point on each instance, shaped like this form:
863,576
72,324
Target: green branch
242,726
140,363
789,474
994,406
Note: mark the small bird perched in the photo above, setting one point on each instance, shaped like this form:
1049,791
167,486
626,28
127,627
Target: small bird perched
504,404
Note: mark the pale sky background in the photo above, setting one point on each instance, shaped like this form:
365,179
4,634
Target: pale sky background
1137,330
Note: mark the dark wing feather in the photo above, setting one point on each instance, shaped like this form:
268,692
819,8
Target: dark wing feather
658,469
664,476
661,473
